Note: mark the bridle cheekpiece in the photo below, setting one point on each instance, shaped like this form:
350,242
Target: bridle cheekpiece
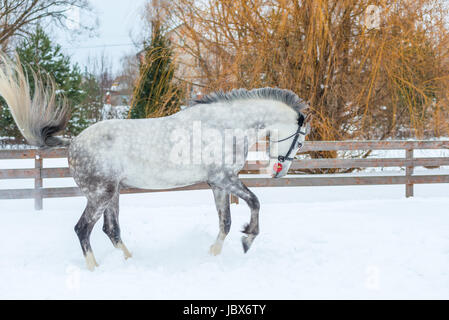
287,157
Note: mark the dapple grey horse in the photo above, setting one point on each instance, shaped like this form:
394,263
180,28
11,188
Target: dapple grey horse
206,142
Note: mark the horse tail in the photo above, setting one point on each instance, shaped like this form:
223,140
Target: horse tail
39,117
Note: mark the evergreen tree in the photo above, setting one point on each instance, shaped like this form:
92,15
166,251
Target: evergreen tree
39,54
156,94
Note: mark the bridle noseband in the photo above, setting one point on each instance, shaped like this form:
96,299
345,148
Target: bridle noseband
287,157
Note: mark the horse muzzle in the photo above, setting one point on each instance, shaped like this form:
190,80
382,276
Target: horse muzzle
280,170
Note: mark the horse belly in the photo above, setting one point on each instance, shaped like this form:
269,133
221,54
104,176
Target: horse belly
157,179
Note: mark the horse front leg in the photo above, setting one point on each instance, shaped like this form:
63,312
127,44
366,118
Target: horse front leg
236,187
251,230
224,217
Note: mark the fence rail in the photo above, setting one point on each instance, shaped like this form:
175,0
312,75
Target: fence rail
38,173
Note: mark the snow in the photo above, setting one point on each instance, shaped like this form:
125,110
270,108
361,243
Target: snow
363,242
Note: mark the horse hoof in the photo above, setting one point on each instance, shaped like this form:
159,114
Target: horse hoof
245,244
91,263
247,241
125,250
90,267
215,249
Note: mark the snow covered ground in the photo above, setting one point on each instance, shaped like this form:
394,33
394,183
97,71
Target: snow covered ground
364,242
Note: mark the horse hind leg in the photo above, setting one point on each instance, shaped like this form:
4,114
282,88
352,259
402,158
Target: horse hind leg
83,230
99,197
224,216
111,226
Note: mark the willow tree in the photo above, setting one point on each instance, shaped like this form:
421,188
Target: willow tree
369,69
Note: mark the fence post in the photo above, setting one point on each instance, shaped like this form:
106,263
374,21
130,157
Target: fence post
408,174
38,182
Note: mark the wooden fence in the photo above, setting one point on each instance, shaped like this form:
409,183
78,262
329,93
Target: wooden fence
38,173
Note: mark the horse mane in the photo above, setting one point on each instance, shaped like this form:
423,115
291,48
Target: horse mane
282,95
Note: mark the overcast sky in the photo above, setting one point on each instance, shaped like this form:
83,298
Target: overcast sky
119,23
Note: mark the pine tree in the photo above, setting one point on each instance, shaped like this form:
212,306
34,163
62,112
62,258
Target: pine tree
156,94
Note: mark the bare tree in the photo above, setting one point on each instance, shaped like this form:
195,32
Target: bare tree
370,69
101,68
17,16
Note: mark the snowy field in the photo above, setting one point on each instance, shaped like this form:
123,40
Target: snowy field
364,242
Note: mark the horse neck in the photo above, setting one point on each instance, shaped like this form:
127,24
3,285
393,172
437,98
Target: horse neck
255,114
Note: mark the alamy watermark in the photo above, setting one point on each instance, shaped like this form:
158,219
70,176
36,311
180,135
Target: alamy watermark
202,145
